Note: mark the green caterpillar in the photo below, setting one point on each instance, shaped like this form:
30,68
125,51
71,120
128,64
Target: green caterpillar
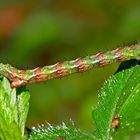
58,70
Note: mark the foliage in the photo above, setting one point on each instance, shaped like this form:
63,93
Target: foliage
120,96
14,105
38,33
62,132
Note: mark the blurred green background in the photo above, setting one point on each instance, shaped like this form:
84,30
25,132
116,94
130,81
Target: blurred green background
37,33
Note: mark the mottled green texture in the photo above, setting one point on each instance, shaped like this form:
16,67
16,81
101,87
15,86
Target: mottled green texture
67,132
14,107
46,69
69,66
28,74
109,56
128,53
89,60
119,95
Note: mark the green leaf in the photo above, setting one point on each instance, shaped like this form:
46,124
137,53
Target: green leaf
63,132
120,96
23,107
13,112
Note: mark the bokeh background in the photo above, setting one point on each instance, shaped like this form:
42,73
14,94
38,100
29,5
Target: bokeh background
37,33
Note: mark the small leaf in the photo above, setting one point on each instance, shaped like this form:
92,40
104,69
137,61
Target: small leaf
23,107
13,112
120,96
63,132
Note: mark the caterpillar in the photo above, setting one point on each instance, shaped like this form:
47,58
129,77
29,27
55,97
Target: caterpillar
22,77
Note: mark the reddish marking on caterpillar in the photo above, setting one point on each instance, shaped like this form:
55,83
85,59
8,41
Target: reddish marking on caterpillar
38,76
60,71
37,71
79,65
39,79
118,52
115,121
131,47
102,61
18,82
